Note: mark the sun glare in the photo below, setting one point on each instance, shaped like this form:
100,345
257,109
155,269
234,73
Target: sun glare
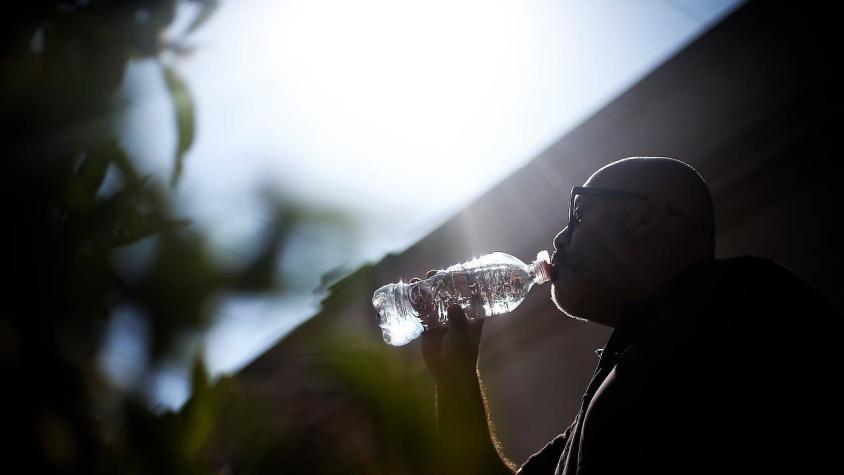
403,89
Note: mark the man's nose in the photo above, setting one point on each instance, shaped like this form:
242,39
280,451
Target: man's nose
561,239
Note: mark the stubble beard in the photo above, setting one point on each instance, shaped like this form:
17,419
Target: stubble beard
569,295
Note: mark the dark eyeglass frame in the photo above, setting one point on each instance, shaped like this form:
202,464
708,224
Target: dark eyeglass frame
608,193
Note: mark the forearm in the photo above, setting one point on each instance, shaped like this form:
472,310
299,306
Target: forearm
466,440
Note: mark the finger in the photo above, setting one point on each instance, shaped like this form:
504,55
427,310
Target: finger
475,329
469,331
431,273
475,325
414,280
457,319
431,342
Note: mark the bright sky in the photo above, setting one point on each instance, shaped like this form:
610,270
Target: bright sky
397,113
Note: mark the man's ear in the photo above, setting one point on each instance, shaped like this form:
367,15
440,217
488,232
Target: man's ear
650,217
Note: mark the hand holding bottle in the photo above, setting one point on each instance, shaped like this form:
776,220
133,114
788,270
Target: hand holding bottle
451,352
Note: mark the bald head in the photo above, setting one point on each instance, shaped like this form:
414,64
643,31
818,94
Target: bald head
622,248
679,184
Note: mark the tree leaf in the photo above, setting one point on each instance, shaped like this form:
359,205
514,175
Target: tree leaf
183,108
82,188
260,274
206,10
135,226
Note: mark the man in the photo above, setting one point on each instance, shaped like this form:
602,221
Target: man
714,366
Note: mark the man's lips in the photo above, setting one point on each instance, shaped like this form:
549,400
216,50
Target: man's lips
556,265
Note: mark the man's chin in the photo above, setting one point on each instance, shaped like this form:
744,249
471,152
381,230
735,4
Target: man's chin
565,304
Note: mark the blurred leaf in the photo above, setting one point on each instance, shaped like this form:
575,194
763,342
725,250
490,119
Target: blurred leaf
394,397
201,414
199,375
178,288
65,62
259,274
206,10
82,188
179,48
135,226
125,217
127,169
185,122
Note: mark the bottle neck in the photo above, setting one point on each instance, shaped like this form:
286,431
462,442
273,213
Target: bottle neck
539,271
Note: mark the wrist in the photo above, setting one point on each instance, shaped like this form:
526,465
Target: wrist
459,394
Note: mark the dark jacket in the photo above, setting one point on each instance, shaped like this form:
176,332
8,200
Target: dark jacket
730,367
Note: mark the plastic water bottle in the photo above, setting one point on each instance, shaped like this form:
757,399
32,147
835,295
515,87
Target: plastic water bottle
493,284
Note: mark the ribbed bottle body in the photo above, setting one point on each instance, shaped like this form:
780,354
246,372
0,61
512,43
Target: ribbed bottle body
493,284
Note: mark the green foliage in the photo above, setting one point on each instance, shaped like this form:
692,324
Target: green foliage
183,107
62,62
207,9
396,401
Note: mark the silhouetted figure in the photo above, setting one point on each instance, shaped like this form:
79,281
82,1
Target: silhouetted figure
714,366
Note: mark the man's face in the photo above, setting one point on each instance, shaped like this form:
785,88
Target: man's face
588,262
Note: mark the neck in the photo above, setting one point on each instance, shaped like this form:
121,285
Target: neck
608,316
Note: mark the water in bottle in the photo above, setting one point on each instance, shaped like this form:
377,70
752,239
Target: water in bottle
489,285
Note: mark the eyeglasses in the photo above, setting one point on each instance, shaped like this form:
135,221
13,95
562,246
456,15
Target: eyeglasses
575,217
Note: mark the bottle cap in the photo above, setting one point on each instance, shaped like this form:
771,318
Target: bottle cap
542,267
